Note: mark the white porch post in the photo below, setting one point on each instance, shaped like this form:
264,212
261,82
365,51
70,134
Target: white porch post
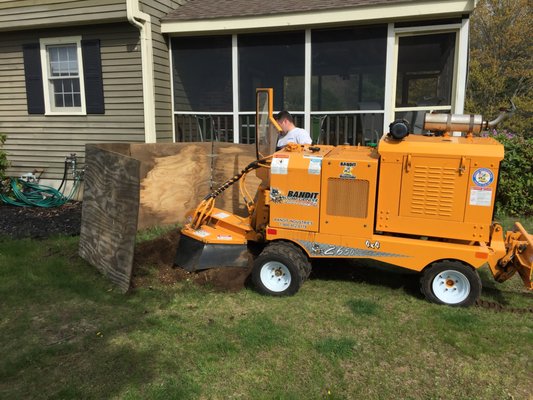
462,68
390,76
307,82
172,100
235,81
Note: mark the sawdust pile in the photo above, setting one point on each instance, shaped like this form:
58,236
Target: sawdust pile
157,256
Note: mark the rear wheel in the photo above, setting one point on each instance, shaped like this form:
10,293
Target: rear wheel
452,283
280,269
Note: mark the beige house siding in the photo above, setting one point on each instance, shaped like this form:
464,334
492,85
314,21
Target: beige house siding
24,14
42,142
162,76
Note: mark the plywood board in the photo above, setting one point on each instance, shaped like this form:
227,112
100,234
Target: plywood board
109,213
174,178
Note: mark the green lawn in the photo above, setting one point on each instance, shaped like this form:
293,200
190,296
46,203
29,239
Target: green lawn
66,334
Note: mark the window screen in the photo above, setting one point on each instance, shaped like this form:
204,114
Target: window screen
202,73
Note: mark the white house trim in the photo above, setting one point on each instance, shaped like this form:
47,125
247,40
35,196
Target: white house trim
235,83
462,66
172,101
390,78
142,21
307,81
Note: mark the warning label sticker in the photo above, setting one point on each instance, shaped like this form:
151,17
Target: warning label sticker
315,165
481,196
201,233
221,215
280,165
224,237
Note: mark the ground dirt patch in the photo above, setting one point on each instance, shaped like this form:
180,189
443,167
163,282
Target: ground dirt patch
152,258
156,257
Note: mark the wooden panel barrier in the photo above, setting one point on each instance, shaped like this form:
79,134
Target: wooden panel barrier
109,213
137,186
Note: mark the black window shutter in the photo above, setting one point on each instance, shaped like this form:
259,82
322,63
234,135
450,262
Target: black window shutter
34,78
92,73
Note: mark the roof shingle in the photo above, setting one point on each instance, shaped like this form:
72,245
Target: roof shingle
212,9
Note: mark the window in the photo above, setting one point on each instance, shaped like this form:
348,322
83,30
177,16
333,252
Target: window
61,60
64,76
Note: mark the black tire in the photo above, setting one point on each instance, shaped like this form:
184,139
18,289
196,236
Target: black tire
280,269
451,283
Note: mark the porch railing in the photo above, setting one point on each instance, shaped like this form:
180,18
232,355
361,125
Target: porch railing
351,128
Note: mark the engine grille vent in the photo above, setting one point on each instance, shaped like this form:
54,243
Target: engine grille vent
433,191
347,197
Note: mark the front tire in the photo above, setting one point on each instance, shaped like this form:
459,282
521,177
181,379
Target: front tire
451,283
280,269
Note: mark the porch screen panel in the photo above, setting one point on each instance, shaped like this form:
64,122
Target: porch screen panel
348,68
275,60
202,74
425,70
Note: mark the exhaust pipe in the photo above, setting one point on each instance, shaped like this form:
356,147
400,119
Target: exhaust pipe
470,123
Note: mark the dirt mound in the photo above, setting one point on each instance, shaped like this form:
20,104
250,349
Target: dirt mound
157,256
157,252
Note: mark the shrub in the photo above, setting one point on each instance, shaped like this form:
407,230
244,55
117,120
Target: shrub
515,187
4,163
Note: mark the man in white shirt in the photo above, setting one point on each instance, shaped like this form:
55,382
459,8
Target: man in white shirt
290,133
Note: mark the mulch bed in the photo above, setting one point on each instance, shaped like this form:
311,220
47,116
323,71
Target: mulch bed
38,222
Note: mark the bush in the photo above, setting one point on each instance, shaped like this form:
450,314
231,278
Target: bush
4,164
515,187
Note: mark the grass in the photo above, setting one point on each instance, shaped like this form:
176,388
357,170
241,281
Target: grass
67,334
508,222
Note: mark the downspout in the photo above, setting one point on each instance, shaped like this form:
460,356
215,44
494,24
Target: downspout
143,22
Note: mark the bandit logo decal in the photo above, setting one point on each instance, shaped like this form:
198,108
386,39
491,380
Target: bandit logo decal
347,170
300,198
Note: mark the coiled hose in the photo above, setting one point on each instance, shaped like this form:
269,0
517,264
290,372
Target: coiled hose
28,194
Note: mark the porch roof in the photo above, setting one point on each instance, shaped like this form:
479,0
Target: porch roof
209,16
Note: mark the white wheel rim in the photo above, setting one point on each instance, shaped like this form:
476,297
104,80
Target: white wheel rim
275,276
451,287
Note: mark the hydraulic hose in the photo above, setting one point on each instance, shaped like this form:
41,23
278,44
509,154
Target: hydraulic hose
203,211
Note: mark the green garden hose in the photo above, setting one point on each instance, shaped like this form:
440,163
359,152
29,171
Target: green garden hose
28,194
